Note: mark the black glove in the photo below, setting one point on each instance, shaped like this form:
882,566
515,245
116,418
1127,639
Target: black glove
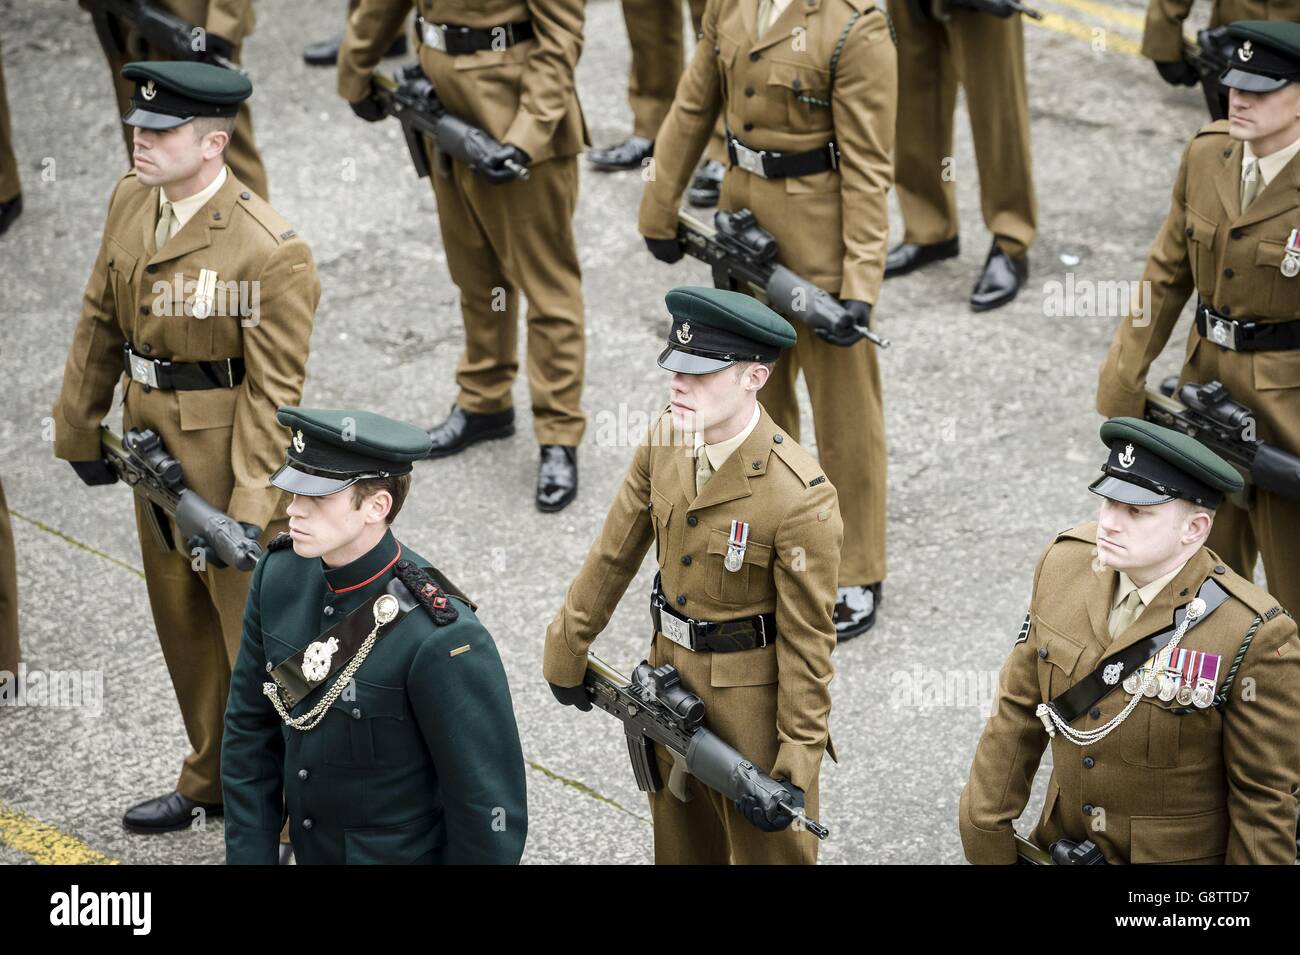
572,696
369,108
218,46
665,250
94,472
1178,73
767,816
859,313
494,168
198,542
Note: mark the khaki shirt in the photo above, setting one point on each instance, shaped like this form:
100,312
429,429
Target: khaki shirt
226,439
791,567
1171,783
832,227
523,95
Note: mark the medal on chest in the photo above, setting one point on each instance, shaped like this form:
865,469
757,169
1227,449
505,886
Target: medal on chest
1291,263
736,542
1207,675
205,294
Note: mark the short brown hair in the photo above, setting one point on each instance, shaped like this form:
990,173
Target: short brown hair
203,125
397,485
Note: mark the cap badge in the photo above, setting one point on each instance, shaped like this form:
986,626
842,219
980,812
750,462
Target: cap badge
1127,458
148,91
684,333
298,442
1245,52
316,659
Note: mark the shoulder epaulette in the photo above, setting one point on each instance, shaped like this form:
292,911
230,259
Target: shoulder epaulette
804,465
1217,128
429,594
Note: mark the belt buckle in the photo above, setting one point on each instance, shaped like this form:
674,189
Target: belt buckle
675,629
143,370
1221,331
434,35
750,160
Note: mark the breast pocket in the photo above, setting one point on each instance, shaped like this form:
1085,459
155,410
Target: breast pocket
365,727
1149,737
661,512
1057,664
411,843
748,584
1281,293
801,94
121,266
1200,232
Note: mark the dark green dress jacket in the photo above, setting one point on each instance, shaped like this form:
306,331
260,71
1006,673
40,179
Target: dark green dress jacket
418,763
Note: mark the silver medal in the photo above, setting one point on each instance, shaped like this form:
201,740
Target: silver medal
385,609
1291,266
734,560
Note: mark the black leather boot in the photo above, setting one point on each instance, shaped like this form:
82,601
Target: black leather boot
706,187
629,154
1000,280
169,813
557,477
908,256
463,428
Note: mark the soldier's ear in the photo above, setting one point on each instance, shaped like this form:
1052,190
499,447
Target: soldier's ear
758,375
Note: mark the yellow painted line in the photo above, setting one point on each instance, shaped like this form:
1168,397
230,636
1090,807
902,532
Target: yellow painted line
44,843
1114,42
1105,11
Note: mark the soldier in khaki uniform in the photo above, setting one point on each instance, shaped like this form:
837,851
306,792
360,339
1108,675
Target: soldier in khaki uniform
654,33
716,470
1230,239
505,66
206,296
985,53
11,189
824,199
227,23
8,594
1170,684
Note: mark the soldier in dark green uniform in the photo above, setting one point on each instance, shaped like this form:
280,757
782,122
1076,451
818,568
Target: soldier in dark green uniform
368,703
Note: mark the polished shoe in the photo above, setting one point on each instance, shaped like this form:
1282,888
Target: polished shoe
707,184
908,256
326,52
169,813
855,611
9,211
1000,280
557,477
463,428
629,154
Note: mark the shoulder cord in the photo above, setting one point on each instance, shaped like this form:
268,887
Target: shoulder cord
835,61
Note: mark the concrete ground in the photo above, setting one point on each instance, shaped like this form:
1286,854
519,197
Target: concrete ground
992,433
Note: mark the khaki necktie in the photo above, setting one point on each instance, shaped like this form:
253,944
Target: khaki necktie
166,225
1122,617
1251,183
703,469
766,8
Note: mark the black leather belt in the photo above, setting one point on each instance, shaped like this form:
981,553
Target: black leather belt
727,636
453,39
182,376
1246,336
776,165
